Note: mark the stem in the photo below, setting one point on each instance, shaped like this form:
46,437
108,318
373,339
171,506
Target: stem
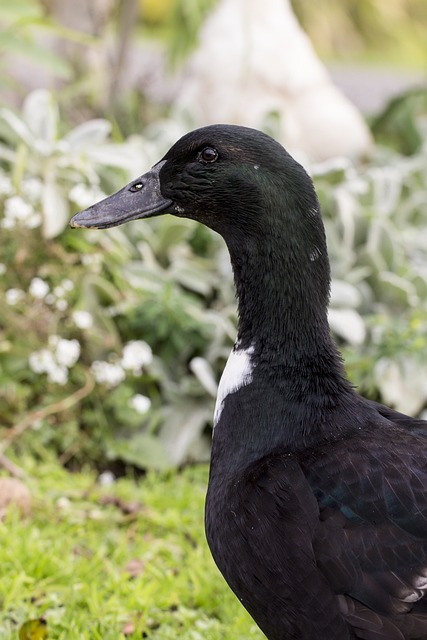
11,468
62,405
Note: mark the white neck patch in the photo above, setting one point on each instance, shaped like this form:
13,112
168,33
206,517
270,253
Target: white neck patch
237,374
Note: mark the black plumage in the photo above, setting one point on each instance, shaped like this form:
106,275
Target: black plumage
316,512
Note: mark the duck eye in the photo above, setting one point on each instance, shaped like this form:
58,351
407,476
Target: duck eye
136,187
209,154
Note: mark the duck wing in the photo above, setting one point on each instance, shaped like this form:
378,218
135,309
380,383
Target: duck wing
371,542
401,419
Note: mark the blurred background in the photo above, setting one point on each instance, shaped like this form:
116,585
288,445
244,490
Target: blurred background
95,92
112,343
92,94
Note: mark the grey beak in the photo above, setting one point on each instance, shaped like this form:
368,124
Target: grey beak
141,198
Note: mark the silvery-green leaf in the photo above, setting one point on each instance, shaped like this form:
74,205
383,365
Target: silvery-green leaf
172,232
182,427
141,449
358,274
420,283
115,243
93,132
39,54
382,239
56,212
7,154
96,283
200,449
333,169
17,127
112,155
191,277
347,324
403,384
144,278
390,249
387,183
372,259
223,326
11,11
397,289
40,113
347,207
205,375
344,294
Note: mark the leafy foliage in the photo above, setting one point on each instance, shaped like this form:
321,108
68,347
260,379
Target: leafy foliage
112,343
375,29
387,31
22,23
400,121
374,215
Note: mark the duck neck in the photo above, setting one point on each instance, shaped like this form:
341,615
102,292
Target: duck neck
291,390
295,377
283,294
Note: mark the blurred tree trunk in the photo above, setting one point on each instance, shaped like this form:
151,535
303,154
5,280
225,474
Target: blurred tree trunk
89,16
126,22
107,60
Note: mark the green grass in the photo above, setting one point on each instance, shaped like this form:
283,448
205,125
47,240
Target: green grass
69,561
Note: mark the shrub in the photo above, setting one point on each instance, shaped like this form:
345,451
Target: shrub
111,343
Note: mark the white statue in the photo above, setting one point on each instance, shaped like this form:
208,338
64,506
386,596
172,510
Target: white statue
254,60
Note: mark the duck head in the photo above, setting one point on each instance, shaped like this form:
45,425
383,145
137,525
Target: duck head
234,179
244,185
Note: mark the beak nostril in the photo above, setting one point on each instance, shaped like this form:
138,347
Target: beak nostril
122,207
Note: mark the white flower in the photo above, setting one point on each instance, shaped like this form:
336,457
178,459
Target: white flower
59,292
2,269
82,319
107,373
6,188
41,361
33,221
53,341
63,503
61,305
17,208
140,403
67,352
8,223
32,188
38,288
67,284
13,296
55,361
106,478
58,374
136,354
91,259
